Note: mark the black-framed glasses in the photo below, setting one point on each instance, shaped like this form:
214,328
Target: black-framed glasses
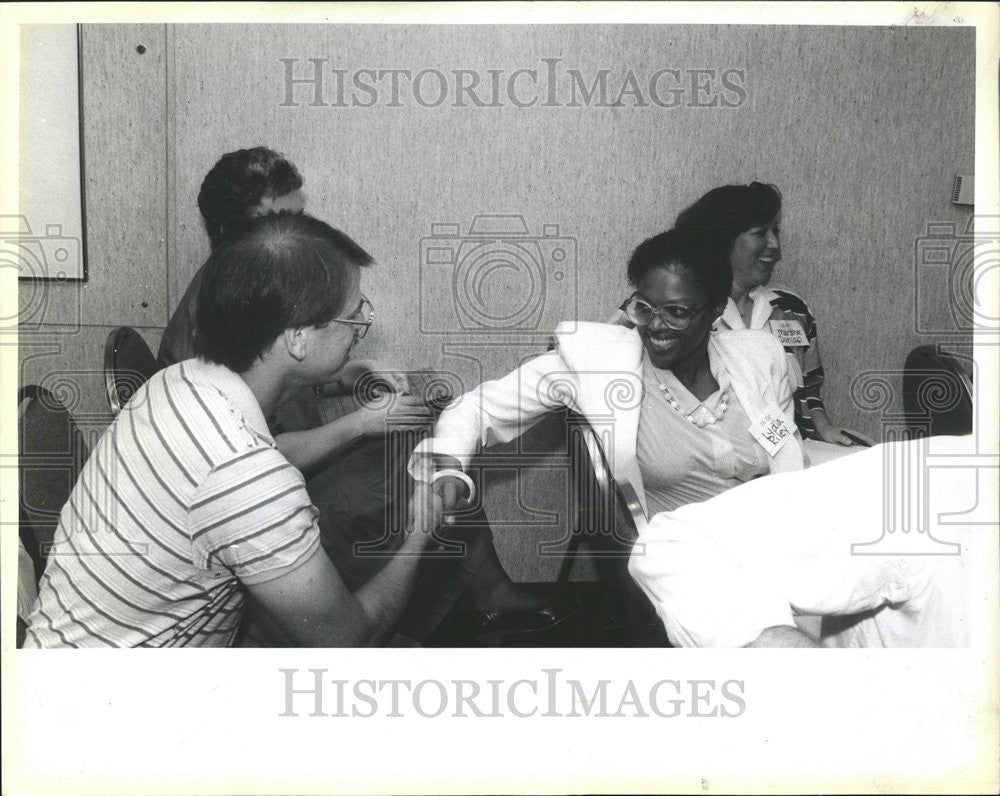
366,310
676,316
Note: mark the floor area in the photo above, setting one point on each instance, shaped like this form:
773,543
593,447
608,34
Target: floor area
600,619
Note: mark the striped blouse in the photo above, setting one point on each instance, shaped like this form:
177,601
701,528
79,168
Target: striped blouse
778,303
184,499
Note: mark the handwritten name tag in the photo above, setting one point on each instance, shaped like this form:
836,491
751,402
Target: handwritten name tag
771,431
789,333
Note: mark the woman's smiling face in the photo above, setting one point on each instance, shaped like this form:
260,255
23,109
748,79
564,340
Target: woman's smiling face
755,253
673,284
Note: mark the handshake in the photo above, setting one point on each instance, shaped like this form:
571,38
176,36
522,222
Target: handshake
434,502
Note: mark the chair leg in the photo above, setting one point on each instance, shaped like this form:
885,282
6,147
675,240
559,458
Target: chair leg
566,566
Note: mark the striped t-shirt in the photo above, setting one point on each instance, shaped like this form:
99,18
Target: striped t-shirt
184,498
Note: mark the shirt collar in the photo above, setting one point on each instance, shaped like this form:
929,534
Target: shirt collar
761,296
236,391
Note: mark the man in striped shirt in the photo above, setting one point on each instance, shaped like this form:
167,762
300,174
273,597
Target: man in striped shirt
186,506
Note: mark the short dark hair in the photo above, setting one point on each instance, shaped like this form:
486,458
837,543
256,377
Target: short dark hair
276,272
238,182
730,210
699,252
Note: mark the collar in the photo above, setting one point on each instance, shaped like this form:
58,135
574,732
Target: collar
236,391
761,296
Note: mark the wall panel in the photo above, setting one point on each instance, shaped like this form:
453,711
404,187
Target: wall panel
66,324
863,129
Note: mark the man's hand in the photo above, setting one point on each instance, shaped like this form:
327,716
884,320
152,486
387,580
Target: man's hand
782,636
358,370
397,411
452,491
426,510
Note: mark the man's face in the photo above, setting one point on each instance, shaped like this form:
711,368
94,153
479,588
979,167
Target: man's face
294,202
332,342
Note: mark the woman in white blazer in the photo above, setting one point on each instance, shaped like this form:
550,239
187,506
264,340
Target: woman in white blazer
690,411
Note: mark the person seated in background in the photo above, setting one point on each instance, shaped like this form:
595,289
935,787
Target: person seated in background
748,219
724,573
694,412
186,506
343,452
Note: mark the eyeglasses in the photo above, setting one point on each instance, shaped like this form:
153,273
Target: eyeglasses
360,327
676,316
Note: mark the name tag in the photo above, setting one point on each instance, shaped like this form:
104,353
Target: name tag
789,333
771,431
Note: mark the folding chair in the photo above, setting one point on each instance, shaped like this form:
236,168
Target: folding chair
128,364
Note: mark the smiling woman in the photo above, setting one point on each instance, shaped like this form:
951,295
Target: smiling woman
747,219
695,411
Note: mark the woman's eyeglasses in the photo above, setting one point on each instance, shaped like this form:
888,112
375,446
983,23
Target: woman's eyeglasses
367,311
676,316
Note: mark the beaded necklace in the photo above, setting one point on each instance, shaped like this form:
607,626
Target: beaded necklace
702,416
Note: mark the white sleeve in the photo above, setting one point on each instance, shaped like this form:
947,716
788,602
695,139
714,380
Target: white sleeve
497,411
702,594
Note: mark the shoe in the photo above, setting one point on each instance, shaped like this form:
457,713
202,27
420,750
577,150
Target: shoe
495,623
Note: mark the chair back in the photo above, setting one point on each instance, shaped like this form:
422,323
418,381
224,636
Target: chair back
51,453
608,514
128,364
937,393
609,518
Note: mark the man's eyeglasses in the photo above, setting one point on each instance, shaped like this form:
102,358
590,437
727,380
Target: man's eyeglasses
676,316
367,311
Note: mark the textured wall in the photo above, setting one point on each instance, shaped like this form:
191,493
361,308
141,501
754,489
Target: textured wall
65,325
863,129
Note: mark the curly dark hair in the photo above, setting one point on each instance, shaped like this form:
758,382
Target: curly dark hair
238,182
701,252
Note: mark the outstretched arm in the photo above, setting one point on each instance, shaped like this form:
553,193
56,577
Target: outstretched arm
314,608
494,412
389,405
310,448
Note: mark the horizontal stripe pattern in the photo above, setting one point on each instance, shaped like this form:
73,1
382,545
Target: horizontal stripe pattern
181,500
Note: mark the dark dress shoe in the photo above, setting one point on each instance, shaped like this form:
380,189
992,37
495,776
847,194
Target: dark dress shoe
514,621
495,623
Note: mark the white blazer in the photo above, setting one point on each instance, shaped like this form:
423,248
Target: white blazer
596,370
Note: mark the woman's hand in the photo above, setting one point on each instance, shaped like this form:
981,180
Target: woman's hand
426,509
451,490
828,432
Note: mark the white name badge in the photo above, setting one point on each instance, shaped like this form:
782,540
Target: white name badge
789,333
771,431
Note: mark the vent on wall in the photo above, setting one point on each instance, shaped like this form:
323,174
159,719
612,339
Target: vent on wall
964,191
